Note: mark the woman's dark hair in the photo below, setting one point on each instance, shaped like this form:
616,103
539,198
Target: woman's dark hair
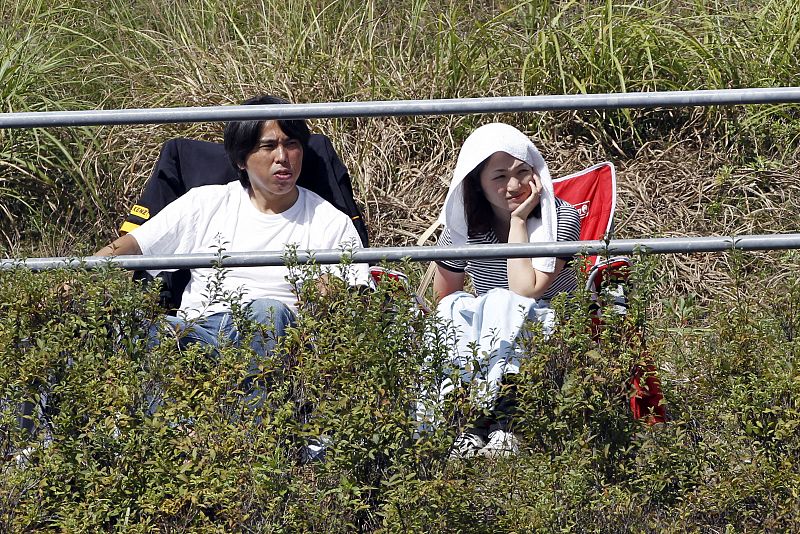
477,209
242,137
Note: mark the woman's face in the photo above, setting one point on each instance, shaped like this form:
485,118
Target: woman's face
505,182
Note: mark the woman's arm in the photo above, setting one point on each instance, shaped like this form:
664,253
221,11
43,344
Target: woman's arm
523,279
123,246
446,282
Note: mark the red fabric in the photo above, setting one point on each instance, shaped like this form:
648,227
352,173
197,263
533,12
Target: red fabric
593,193
379,273
647,400
616,269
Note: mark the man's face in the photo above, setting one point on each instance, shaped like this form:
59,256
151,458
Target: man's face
275,163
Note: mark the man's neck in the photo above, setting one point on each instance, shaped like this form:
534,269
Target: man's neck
270,204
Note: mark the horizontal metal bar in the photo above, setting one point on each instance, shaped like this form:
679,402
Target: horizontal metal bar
615,247
386,108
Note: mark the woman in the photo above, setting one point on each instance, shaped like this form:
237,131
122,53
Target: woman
501,193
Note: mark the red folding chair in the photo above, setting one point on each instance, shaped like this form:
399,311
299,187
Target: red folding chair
593,192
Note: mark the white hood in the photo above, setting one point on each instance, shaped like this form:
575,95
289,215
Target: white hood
480,145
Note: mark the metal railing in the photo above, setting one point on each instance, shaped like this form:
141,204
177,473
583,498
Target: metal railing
387,108
614,247
414,107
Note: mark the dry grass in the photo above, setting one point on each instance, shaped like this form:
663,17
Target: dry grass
681,171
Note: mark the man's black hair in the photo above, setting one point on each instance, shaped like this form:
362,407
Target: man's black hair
242,137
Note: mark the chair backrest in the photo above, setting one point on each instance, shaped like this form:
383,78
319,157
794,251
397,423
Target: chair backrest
188,163
593,192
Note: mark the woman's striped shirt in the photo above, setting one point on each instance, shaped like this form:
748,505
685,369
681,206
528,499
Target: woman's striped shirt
488,274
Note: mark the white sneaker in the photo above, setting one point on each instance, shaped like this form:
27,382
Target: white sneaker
501,443
466,445
315,450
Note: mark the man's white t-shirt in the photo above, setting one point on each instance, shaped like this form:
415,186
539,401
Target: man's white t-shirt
213,216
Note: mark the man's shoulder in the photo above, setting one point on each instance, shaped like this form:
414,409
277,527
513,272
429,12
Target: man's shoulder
212,193
216,189
320,208
205,200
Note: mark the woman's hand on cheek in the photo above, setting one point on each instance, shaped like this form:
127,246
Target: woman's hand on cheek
525,209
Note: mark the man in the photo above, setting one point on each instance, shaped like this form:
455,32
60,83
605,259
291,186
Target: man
264,211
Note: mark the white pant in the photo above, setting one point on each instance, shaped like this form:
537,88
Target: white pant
482,340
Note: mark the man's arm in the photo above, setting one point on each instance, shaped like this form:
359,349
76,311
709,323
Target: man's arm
123,246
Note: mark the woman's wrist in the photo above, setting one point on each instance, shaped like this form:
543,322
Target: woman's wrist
518,221
517,230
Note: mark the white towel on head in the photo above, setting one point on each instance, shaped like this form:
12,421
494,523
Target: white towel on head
481,144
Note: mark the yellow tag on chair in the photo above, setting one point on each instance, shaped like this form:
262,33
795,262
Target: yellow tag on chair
128,226
140,211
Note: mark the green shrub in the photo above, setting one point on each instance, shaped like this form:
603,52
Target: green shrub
75,343
351,371
350,375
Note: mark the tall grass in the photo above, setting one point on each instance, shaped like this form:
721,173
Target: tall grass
201,52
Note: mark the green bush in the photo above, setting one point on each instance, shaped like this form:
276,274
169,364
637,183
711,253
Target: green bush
350,375
351,372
